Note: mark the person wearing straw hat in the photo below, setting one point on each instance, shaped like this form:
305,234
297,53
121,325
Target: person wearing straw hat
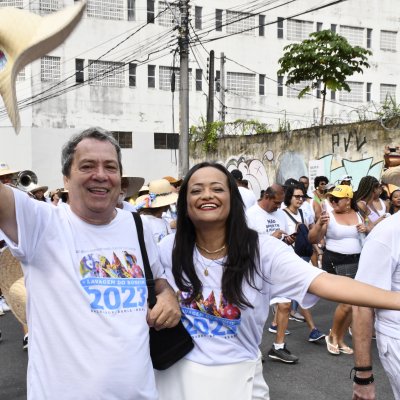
6,174
39,191
86,294
159,200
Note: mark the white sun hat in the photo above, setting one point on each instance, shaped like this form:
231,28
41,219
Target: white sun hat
24,37
161,193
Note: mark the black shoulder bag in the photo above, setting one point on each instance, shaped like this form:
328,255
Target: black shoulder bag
302,246
169,345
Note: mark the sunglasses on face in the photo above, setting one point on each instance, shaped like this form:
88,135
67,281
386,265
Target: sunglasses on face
299,197
335,199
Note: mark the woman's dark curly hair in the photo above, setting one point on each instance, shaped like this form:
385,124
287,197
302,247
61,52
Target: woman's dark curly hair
242,261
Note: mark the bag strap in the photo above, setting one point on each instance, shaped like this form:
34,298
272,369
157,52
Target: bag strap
301,215
291,217
152,299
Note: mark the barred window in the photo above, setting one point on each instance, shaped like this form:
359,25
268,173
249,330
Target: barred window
166,140
241,83
356,93
170,17
198,20
12,3
131,10
79,67
354,35
48,6
387,92
165,78
294,90
106,73
50,69
124,139
218,20
298,29
106,9
388,40
21,75
132,74
237,22
150,11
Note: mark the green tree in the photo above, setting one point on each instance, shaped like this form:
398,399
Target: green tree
326,58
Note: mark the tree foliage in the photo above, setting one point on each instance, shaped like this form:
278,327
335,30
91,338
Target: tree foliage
325,58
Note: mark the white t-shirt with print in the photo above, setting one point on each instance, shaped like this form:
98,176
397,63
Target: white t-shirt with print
159,226
265,222
380,266
87,304
223,333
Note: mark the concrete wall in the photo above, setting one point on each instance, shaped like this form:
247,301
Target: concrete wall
333,151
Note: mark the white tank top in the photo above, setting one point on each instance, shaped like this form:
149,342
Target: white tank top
343,239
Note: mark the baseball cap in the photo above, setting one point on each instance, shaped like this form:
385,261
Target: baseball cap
342,191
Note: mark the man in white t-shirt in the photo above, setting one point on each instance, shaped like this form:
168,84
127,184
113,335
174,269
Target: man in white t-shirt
265,217
87,296
379,265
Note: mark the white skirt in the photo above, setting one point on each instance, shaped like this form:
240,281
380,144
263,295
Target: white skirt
187,380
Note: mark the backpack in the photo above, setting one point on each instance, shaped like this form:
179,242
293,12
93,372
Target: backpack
302,246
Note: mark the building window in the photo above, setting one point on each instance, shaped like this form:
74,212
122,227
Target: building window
388,40
106,73
319,90
239,22
150,11
319,26
261,85
151,76
165,78
132,75
354,35
49,6
198,17
280,85
131,10
333,95
298,29
369,38
106,9
21,75
333,28
12,3
166,140
387,92
50,69
280,28
217,81
294,90
369,91
199,80
241,83
79,67
261,25
218,20
124,139
355,94
168,14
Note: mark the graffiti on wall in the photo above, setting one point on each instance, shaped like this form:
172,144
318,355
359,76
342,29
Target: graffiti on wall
351,137
293,165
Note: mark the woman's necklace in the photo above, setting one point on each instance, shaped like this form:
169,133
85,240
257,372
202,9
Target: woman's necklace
201,260
211,251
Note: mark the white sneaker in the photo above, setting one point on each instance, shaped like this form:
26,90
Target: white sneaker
4,305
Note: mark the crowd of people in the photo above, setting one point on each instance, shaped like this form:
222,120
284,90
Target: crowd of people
220,259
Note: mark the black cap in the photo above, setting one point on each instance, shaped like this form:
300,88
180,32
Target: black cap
237,174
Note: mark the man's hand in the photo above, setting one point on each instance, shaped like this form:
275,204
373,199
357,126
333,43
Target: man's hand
166,313
364,392
278,234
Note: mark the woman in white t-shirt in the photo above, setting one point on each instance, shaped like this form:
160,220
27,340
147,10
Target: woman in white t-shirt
225,274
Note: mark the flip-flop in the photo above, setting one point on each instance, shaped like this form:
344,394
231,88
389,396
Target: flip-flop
332,348
346,350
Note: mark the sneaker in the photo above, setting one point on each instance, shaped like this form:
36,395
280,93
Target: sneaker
296,317
4,305
283,355
273,329
25,343
315,335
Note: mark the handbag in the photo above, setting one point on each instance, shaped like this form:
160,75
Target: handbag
169,345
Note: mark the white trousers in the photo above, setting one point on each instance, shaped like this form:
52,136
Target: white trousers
187,380
389,354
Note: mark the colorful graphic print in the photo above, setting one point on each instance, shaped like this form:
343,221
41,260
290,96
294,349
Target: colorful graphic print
116,286
203,317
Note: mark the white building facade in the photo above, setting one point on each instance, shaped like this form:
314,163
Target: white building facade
115,71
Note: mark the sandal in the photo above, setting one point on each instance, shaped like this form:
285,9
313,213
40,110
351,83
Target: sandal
332,348
346,350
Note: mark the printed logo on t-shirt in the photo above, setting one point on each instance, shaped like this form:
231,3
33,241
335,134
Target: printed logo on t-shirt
204,317
112,285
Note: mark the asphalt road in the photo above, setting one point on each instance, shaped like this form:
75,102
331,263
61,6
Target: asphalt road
317,376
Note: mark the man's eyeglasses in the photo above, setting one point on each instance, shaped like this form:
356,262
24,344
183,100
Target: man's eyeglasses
299,197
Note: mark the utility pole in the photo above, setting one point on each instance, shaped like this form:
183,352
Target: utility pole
222,92
184,89
210,100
